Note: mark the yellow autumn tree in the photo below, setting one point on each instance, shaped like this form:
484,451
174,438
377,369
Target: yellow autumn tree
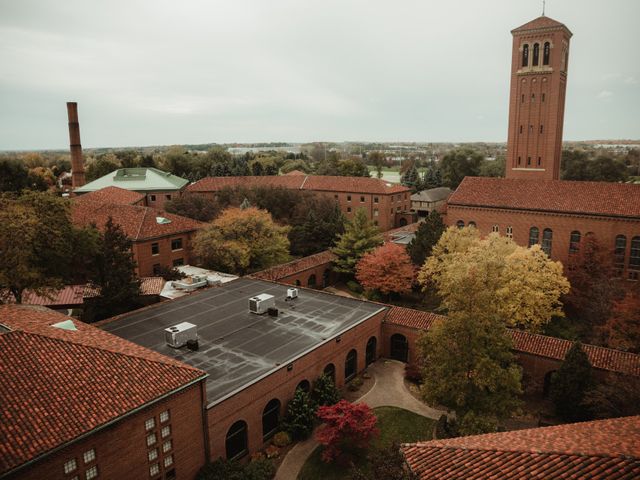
492,275
241,240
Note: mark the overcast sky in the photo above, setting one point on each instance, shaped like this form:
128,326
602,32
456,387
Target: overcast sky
161,72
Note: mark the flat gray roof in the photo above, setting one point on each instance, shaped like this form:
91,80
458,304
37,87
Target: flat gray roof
238,348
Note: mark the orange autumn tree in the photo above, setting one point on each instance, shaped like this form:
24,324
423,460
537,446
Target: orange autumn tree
387,269
623,327
345,426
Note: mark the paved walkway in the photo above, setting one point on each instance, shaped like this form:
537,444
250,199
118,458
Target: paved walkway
388,390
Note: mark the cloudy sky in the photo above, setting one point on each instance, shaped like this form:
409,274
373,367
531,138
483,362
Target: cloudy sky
198,71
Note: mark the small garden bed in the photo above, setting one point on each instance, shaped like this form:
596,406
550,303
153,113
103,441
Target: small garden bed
395,425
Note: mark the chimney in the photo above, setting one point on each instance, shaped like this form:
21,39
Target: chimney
77,166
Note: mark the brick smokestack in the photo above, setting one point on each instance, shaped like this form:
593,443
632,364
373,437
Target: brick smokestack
77,165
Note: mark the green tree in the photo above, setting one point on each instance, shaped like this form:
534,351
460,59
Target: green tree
607,169
242,240
102,166
493,168
411,179
300,415
376,158
469,368
118,288
15,176
322,223
353,167
325,391
193,206
360,237
427,235
459,163
570,384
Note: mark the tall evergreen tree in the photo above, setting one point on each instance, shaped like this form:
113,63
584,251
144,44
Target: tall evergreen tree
571,383
411,178
115,277
316,232
427,235
360,237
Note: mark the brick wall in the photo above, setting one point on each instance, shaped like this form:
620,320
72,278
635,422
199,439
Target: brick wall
159,198
249,404
324,276
121,449
145,260
605,229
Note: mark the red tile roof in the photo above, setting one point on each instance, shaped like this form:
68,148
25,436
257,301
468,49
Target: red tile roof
525,342
605,449
69,295
540,22
296,266
301,182
113,195
151,285
138,222
591,198
295,172
58,384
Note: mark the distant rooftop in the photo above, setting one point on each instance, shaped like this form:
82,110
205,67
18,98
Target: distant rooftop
136,179
238,348
113,195
431,195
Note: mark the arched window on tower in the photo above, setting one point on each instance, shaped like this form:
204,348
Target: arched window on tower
525,55
460,224
619,254
547,238
546,53
536,54
534,236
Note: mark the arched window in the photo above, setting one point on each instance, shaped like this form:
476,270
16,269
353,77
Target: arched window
547,238
546,52
370,353
270,418
509,232
634,259
399,347
534,236
472,224
304,385
460,224
525,55
574,242
536,54
619,254
546,385
312,281
236,442
351,365
495,229
326,275
298,283
330,371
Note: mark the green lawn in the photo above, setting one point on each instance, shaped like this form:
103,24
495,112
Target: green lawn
395,424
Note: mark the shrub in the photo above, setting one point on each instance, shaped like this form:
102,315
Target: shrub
169,273
446,428
570,384
261,469
355,384
281,439
300,416
354,286
384,464
324,391
413,373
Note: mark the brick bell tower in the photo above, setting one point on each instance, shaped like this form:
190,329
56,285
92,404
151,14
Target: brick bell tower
536,105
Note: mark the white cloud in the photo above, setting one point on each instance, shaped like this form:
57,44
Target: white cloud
604,94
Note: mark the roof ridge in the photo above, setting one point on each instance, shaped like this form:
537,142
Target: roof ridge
599,347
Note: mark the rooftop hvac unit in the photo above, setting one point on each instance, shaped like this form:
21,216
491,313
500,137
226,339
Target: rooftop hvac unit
292,293
261,303
178,335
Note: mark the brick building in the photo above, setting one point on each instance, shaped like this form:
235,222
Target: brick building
555,214
600,450
159,239
387,205
531,205
156,186
79,403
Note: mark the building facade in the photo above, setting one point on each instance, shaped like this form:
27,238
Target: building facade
539,64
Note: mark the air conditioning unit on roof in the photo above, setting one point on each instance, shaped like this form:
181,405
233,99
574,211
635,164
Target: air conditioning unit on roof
178,335
261,303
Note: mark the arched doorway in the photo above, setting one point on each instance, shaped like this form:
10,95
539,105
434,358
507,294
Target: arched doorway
370,355
270,418
399,347
311,283
402,222
236,441
351,365
325,277
330,371
304,385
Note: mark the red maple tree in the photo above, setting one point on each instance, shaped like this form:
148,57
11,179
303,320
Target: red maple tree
623,326
388,269
345,425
